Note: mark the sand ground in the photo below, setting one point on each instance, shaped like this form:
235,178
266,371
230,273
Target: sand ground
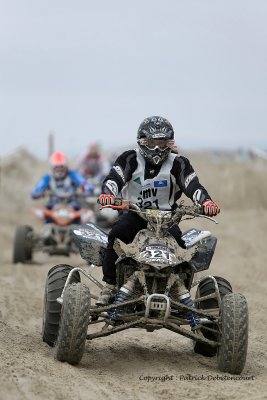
119,366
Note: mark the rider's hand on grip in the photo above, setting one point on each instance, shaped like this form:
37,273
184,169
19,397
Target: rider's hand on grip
210,208
106,199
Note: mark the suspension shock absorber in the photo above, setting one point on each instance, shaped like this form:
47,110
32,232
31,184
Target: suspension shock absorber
186,299
124,294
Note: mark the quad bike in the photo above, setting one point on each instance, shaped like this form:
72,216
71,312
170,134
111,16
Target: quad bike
154,280
55,237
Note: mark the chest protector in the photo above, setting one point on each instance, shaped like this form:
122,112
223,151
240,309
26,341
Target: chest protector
154,193
61,186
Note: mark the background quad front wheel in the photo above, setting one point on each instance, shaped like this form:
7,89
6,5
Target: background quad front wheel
56,279
205,288
73,323
232,352
22,248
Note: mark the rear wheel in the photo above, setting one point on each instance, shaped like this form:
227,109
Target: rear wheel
22,248
55,283
205,288
73,323
232,351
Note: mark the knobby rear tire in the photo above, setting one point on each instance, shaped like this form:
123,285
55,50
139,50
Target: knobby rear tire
56,279
205,288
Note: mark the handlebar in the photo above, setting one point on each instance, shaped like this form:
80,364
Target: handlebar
195,210
128,205
63,196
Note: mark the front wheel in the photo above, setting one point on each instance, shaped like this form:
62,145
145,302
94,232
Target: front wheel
22,248
232,351
73,323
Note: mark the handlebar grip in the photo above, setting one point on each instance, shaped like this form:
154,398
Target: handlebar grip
118,202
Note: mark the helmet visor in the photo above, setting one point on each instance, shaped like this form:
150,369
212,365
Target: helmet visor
59,171
152,144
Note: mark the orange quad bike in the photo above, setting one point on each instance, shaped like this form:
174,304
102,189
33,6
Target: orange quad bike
55,236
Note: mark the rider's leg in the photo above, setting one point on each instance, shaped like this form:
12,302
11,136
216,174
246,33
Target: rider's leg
176,232
51,203
76,205
125,229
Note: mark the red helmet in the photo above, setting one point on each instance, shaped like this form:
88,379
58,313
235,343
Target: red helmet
58,159
58,162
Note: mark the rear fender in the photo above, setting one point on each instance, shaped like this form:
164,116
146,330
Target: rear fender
39,213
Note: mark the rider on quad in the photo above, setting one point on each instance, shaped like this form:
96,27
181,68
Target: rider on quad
61,183
153,176
91,164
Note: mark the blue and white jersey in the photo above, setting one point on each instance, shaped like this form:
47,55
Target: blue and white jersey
58,187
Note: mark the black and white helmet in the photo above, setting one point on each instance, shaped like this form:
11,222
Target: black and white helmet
155,138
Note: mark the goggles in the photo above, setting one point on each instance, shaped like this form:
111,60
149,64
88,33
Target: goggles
59,171
152,144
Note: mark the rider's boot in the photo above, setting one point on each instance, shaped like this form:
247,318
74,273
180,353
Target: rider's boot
107,294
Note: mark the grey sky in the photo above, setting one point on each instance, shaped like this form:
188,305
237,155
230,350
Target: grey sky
91,71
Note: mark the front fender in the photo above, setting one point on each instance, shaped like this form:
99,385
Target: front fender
91,241
202,258
156,252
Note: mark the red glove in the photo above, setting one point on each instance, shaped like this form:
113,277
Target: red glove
106,199
210,208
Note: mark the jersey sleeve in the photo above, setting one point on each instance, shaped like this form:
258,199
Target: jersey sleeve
188,181
76,177
120,173
40,188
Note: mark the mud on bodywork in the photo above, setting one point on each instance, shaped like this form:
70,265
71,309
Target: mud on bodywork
198,254
92,242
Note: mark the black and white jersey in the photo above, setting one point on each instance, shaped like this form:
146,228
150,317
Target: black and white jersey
156,187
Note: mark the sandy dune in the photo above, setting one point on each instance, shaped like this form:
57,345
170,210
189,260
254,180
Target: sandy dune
119,366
